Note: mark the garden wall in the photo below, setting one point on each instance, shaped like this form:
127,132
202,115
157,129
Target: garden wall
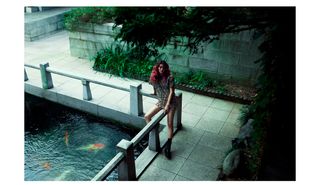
231,58
39,25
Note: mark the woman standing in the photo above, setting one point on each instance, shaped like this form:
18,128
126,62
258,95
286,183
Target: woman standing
163,84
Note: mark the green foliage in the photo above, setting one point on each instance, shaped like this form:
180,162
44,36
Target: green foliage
154,27
96,15
200,81
245,115
124,61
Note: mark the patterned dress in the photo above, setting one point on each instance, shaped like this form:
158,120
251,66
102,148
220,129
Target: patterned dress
162,90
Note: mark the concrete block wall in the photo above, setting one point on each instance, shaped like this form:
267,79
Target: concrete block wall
40,28
31,9
230,58
89,39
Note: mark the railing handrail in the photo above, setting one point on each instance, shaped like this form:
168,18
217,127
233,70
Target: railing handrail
32,66
145,93
112,164
79,77
146,129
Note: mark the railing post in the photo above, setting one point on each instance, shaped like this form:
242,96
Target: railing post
127,168
178,114
86,90
136,105
154,141
25,75
46,76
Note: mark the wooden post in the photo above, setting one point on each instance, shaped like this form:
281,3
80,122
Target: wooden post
136,105
86,90
127,168
45,76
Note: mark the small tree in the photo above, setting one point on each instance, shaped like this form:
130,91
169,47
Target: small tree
154,27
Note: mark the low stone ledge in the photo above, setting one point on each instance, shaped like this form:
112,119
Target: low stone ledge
215,94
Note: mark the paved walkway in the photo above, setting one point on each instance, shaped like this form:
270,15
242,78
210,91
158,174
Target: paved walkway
209,124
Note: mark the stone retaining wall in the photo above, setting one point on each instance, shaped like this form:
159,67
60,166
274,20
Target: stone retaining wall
231,58
45,25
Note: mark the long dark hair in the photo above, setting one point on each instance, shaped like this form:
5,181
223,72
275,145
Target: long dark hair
155,76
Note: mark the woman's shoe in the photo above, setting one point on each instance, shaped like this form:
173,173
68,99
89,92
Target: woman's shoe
167,150
167,153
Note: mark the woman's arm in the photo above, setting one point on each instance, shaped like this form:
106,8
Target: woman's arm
154,91
171,93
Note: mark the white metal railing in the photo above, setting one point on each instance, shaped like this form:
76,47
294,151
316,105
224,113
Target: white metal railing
124,159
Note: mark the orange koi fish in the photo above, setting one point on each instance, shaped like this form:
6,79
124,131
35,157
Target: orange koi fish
66,138
46,166
92,147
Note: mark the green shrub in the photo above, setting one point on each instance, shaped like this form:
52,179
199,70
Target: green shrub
122,60
200,81
96,15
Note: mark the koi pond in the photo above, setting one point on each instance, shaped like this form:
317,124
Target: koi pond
67,145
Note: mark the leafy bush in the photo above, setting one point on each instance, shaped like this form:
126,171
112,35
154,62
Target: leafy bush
200,81
97,15
124,61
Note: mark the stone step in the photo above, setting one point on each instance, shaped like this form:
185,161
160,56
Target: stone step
42,24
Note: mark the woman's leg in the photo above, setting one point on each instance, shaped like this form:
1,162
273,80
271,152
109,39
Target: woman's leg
151,113
170,116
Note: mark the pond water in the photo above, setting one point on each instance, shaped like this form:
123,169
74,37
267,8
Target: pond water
67,145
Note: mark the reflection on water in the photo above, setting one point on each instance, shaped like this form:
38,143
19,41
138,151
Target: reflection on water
63,144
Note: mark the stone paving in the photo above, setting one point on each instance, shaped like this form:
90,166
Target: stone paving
209,124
